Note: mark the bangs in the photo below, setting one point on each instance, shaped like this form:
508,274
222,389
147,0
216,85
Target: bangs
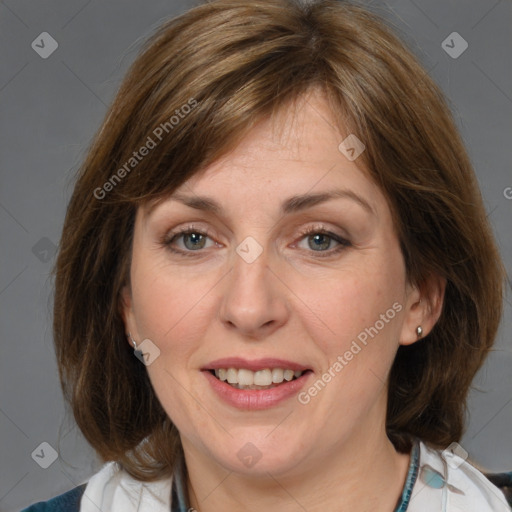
175,123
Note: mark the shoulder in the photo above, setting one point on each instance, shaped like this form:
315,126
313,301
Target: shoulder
447,481
70,501
67,502
113,489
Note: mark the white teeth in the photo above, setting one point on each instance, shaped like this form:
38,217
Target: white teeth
288,374
263,378
247,379
277,375
232,376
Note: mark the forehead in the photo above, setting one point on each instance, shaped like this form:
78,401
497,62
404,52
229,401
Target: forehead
293,153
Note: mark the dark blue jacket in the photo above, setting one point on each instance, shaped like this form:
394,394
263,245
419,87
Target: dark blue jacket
67,502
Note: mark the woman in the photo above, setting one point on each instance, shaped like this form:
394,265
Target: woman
276,270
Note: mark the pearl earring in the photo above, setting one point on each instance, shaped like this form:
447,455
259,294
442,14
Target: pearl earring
419,331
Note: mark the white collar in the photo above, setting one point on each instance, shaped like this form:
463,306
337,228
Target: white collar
460,488
113,490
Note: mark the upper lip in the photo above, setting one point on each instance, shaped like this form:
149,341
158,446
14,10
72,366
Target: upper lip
254,364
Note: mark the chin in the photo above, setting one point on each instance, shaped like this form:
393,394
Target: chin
256,456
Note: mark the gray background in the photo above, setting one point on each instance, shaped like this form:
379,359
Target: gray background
50,109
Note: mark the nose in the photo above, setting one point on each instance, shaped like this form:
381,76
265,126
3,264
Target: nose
254,301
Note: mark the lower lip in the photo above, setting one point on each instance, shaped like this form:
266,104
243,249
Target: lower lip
256,399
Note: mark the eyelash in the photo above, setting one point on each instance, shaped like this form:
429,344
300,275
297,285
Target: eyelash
317,230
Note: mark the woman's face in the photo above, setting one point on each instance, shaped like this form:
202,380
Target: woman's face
247,292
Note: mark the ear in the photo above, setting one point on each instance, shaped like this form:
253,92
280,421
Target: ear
423,308
126,310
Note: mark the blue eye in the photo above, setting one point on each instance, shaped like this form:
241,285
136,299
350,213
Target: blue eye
319,241
193,240
197,240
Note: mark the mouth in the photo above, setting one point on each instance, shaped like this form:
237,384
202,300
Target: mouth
255,384
266,378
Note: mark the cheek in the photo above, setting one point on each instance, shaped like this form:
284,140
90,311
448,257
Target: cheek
170,307
361,304
357,337
170,311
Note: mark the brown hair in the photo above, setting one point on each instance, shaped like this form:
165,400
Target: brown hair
199,85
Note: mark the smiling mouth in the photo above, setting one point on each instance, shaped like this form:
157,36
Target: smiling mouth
242,378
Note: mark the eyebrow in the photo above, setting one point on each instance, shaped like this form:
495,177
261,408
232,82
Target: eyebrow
291,205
